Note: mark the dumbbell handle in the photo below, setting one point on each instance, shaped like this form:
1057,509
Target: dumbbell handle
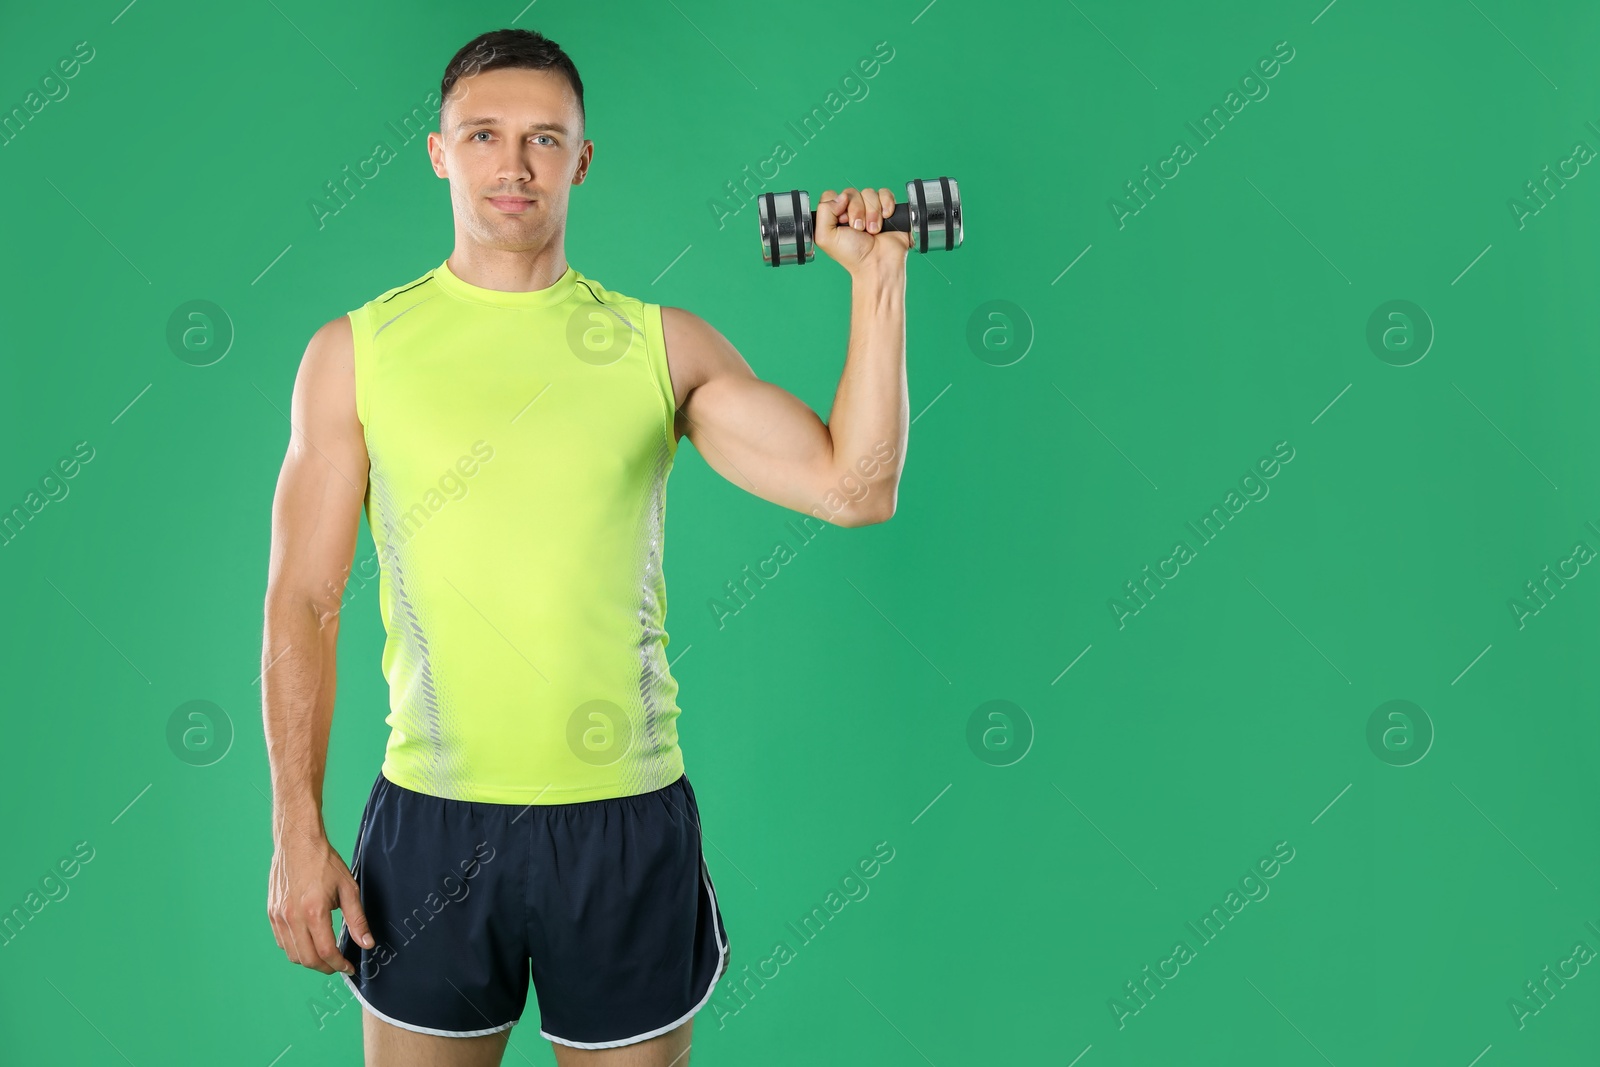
900,221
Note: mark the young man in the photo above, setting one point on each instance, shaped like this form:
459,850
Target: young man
508,425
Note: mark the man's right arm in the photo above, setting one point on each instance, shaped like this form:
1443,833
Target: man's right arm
315,515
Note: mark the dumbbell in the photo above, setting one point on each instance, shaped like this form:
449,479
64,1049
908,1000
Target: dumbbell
930,213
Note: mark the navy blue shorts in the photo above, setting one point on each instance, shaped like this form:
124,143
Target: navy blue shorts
607,903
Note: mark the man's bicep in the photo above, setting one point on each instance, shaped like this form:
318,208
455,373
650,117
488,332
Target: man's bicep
756,434
316,510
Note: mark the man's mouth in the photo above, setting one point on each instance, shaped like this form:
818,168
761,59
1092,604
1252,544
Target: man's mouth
510,203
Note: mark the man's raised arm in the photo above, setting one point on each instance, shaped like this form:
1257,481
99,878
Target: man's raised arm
768,441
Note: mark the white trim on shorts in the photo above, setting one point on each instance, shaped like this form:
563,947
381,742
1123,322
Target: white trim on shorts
722,965
392,1021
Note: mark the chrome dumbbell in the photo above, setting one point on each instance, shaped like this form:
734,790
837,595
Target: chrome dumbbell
930,213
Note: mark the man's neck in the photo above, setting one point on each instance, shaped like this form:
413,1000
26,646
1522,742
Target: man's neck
509,272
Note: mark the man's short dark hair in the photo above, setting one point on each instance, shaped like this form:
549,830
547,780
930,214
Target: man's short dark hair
522,49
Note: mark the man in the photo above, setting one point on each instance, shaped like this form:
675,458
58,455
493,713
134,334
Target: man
508,424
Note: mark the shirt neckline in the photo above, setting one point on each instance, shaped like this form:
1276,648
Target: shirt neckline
553,293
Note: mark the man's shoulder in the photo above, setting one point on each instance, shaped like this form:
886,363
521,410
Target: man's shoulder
396,295
591,288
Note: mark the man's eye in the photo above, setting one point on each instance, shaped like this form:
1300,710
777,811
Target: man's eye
474,136
547,137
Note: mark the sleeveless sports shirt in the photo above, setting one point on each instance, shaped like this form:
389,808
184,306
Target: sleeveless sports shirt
520,444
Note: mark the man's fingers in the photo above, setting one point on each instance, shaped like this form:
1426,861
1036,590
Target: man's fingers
299,939
871,212
861,209
827,211
278,931
303,927
354,917
325,944
853,212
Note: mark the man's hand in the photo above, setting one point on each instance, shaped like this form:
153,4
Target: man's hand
850,229
308,881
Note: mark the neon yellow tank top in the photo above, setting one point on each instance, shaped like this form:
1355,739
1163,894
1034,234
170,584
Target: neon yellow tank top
520,444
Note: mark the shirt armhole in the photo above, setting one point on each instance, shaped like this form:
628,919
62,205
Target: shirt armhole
362,345
656,350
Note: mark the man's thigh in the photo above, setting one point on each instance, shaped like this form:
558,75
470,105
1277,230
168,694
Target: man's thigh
388,1045
670,1049
393,1046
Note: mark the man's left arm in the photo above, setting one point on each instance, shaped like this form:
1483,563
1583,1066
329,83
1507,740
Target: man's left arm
766,440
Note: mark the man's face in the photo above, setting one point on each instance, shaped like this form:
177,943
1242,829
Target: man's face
511,145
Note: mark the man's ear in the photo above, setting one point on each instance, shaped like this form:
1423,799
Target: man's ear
435,145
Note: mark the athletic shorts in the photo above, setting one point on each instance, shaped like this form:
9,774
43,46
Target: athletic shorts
606,904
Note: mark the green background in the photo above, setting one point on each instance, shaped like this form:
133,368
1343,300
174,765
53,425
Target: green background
833,712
